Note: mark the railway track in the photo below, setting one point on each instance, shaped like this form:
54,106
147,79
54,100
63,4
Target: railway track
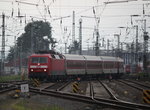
14,81
131,84
10,85
139,84
56,90
108,90
57,86
4,87
54,86
3,90
113,103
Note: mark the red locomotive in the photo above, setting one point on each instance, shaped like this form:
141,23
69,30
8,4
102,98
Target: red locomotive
52,65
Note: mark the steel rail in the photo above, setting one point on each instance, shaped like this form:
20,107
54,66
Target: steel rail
12,86
83,98
54,85
115,98
7,89
63,86
12,81
49,86
139,88
108,90
91,90
139,84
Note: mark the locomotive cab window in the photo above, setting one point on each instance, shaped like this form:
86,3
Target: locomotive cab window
43,60
39,60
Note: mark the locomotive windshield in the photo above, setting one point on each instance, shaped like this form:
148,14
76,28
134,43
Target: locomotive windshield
39,60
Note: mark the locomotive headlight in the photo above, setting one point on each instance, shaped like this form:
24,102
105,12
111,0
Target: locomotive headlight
31,69
44,69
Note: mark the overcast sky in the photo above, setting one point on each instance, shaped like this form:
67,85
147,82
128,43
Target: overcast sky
112,16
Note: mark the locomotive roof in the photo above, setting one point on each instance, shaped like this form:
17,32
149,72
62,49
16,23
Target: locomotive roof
40,55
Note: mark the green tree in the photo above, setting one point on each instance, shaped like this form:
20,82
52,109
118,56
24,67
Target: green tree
11,54
74,47
37,36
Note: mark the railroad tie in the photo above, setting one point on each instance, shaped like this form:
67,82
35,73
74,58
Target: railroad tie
146,96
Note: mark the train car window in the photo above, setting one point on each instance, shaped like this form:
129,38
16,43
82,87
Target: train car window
79,64
34,59
91,64
100,65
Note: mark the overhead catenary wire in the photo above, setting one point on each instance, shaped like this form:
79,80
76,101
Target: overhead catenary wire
27,3
114,2
83,11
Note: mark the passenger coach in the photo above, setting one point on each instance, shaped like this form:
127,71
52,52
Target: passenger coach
67,66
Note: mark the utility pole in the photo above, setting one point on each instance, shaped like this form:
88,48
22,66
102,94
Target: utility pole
118,46
97,20
121,46
80,37
118,42
65,47
15,53
107,46
20,57
146,37
103,42
136,48
97,43
3,44
73,28
132,56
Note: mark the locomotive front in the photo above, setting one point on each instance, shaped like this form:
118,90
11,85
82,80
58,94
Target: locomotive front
39,66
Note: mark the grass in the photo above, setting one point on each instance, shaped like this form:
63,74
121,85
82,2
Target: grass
10,78
24,105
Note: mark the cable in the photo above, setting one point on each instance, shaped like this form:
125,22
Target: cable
5,1
27,3
103,9
39,12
